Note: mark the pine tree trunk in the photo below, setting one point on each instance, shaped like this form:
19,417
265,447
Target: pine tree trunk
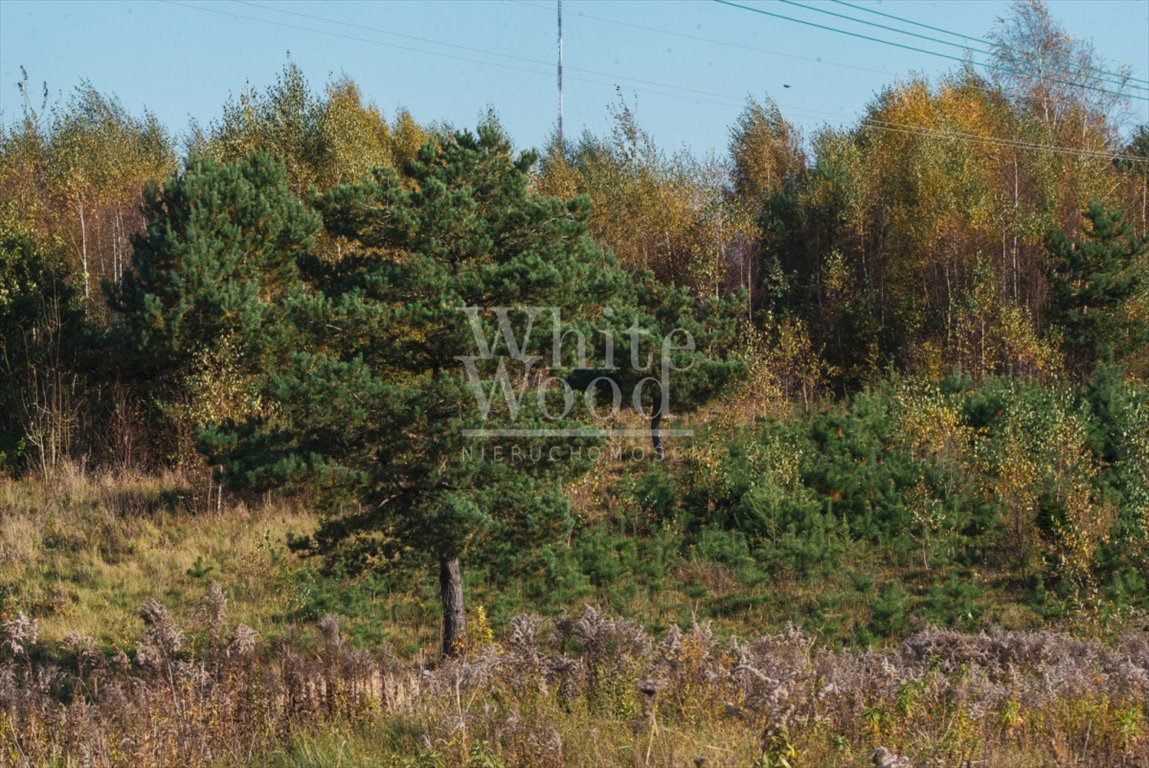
656,436
451,593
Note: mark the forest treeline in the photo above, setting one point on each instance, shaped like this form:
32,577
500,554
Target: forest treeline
985,237
917,240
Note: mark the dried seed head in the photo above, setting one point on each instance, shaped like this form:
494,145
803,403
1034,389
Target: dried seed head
329,628
84,649
163,639
213,608
18,635
651,687
241,642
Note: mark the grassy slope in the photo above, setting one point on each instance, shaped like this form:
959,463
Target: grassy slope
82,554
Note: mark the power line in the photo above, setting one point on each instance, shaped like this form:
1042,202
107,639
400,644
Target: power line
988,65
367,28
1122,81
723,43
890,126
726,99
730,44
971,37
698,94
591,51
349,37
729,99
859,35
886,125
456,46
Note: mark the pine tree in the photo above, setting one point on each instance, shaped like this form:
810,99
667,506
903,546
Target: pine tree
195,317
1094,286
219,251
377,407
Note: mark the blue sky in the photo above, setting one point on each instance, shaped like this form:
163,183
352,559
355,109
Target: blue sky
685,67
